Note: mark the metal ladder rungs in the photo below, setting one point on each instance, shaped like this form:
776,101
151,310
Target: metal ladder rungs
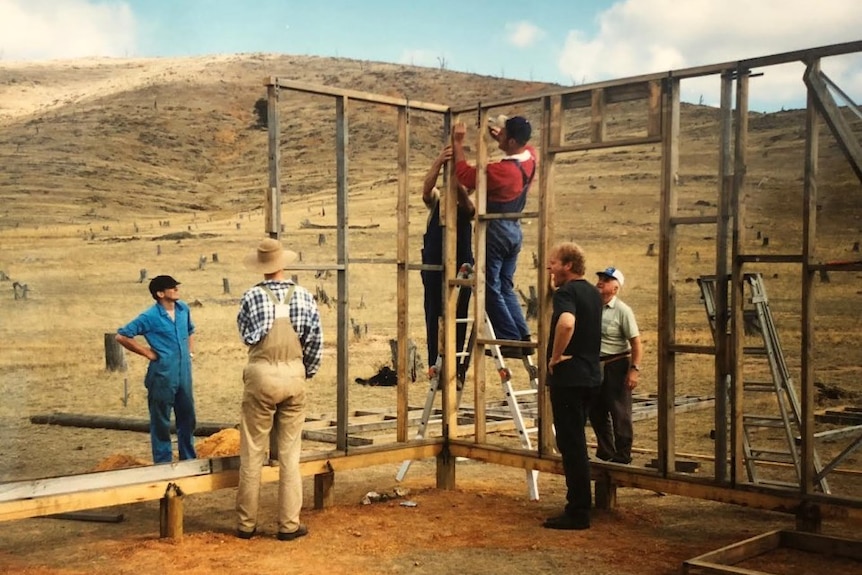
523,392
772,456
763,421
760,387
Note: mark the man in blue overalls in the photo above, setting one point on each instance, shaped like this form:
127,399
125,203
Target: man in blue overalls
167,326
508,183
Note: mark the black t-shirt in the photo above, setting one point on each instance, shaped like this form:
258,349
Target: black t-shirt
582,300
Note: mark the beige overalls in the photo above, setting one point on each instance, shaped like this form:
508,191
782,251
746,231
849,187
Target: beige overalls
274,387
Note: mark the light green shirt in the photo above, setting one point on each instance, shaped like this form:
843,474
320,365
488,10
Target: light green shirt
618,327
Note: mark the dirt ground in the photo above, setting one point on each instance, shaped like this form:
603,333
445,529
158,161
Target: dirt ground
487,525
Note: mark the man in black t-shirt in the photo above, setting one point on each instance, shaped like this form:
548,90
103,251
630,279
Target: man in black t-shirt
574,375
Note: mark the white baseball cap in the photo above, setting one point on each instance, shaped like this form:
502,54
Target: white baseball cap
613,273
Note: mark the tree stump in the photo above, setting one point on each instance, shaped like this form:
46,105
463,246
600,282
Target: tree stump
20,290
115,356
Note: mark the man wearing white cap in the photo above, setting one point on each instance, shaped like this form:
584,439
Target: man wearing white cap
280,323
621,352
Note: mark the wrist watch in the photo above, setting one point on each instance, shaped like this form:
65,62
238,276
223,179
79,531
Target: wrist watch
635,367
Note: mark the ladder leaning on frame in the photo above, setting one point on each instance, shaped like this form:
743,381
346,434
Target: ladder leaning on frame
758,318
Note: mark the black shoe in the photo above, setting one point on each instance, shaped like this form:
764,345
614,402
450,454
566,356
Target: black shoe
624,459
511,352
568,522
301,532
246,534
527,350
604,456
506,351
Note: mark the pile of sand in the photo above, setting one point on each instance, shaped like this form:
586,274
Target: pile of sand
221,444
120,461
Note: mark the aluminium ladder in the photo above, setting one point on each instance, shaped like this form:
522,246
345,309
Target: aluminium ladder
517,400
757,319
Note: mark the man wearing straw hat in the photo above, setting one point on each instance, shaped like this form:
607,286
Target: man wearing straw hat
280,323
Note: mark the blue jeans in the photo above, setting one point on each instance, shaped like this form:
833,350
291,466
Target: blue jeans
503,245
160,426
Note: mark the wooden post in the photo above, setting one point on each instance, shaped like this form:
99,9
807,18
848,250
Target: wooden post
445,469
171,513
115,356
606,493
215,258
225,283
324,495
143,275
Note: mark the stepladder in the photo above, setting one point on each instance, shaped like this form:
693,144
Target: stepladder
771,411
520,392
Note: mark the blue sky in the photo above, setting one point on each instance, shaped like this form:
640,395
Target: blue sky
561,41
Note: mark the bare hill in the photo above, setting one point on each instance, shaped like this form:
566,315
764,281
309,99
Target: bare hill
82,139
89,140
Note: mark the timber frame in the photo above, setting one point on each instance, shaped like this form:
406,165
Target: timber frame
661,93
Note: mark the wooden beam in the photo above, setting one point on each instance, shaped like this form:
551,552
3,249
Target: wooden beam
272,205
736,351
552,135
623,142
402,276
357,95
809,250
597,116
666,276
342,105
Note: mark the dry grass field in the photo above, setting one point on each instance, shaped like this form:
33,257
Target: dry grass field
108,167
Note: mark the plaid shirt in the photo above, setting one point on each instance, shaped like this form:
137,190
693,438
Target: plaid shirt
257,314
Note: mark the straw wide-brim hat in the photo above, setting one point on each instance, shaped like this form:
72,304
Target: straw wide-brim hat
269,257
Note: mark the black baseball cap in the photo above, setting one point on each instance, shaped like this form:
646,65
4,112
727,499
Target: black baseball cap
162,283
519,129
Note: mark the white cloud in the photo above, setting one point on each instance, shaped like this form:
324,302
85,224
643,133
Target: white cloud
523,34
644,36
54,29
